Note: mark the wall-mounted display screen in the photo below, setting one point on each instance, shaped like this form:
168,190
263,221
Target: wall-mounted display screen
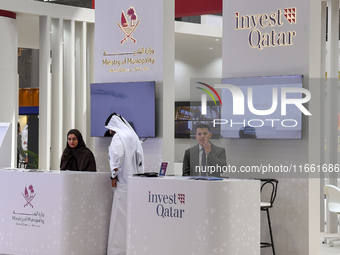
188,115
262,95
135,101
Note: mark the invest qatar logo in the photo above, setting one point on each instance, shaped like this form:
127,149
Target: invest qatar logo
128,24
168,205
29,195
263,27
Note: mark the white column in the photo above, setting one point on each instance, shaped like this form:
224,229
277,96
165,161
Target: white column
332,101
322,110
168,83
57,139
80,114
90,79
315,128
44,92
69,77
8,76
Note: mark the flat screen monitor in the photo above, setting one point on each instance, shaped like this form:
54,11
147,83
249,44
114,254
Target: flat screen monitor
188,115
254,126
135,101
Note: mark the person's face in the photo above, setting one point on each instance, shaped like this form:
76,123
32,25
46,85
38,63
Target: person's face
72,141
203,134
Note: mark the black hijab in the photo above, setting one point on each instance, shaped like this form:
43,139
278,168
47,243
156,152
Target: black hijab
79,158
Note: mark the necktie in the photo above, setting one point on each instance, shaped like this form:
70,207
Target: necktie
204,163
204,158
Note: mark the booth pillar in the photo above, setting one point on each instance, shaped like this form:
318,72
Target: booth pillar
9,95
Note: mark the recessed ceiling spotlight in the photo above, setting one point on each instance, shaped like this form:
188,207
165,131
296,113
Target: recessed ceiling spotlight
217,39
210,48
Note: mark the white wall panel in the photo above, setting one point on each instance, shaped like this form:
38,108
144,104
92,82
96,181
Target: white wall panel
9,96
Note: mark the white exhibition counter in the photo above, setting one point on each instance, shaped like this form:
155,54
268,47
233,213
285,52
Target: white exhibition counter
176,215
60,213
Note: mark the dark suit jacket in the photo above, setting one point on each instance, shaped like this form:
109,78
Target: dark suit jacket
217,156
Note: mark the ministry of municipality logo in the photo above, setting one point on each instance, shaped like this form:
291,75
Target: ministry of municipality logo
128,27
29,195
204,97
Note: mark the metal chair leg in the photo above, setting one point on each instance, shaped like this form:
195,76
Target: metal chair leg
270,231
271,244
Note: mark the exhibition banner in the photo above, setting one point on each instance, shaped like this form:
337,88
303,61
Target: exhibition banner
262,37
128,40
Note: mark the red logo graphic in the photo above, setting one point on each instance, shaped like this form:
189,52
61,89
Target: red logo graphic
290,14
127,27
181,198
29,195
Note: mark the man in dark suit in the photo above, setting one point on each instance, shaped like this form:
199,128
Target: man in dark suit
203,157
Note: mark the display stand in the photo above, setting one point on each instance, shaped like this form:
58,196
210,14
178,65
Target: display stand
54,213
177,215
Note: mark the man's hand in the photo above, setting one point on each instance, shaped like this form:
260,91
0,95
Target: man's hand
114,182
207,146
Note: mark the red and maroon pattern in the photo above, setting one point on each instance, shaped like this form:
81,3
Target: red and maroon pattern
8,14
181,198
290,15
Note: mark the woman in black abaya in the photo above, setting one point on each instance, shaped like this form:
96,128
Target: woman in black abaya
76,156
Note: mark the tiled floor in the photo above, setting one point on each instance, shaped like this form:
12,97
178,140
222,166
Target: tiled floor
325,249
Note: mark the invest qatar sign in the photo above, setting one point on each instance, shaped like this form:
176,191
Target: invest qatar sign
281,23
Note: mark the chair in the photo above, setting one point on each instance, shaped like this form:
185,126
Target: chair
178,169
333,199
270,184
22,164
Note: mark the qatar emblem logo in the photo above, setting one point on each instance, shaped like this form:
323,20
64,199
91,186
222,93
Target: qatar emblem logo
128,27
29,195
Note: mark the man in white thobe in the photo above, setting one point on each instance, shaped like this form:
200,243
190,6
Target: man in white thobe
126,158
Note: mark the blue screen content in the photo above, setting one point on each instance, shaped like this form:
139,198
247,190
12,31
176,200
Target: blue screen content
254,126
135,101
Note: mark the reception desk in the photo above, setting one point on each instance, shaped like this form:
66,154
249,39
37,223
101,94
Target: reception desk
59,213
177,215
